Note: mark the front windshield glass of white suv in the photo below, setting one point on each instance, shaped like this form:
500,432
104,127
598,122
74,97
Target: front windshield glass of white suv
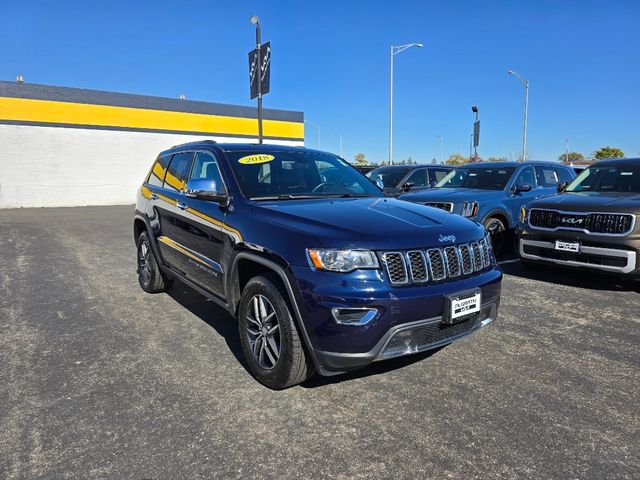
298,174
478,177
616,179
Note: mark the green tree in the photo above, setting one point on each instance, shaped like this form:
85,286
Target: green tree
608,152
456,159
573,157
360,159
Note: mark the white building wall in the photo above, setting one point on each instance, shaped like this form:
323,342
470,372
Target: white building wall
63,167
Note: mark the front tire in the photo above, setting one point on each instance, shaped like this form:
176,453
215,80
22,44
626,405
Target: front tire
273,350
498,232
150,278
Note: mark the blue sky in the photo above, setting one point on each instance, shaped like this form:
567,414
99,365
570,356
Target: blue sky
331,60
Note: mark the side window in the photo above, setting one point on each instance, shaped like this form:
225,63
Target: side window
437,174
206,167
547,176
418,178
525,177
564,175
178,171
156,177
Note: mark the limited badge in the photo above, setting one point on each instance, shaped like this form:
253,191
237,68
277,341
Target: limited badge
253,159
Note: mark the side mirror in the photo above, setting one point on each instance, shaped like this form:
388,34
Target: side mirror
562,186
526,187
204,189
407,186
379,184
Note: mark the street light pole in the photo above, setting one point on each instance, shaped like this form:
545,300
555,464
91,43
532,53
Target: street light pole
256,22
526,109
317,127
394,51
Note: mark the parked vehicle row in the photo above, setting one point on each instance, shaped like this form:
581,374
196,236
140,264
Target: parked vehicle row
326,273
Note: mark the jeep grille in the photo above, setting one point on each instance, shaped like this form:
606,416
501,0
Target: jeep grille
436,264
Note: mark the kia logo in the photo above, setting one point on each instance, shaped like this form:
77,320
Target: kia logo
572,220
447,238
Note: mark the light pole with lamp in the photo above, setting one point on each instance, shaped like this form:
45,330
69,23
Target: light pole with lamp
394,51
526,109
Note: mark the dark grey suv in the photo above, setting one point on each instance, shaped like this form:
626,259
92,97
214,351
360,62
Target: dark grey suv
398,179
590,224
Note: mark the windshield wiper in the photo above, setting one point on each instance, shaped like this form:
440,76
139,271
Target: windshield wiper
287,196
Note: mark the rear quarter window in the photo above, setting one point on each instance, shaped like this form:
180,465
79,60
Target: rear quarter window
158,171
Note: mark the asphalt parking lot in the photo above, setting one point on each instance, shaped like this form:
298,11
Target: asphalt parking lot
100,380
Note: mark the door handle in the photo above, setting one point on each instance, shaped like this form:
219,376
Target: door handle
154,196
182,205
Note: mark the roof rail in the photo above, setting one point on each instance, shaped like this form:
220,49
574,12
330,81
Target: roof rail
197,142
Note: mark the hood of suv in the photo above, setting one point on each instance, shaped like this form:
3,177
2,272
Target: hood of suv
370,223
454,195
591,202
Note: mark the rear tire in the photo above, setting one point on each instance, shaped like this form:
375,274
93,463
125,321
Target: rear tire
273,351
150,277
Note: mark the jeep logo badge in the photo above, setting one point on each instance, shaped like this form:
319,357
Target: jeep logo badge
447,238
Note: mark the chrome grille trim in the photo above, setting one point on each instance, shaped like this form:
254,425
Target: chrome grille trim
437,269
452,259
417,266
396,267
466,256
610,224
436,264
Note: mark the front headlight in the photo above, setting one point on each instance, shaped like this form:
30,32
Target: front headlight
524,213
469,209
342,260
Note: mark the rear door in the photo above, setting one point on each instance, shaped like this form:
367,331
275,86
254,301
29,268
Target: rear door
174,183
200,232
159,207
548,179
516,200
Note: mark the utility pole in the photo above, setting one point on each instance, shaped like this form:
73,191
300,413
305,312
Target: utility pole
256,22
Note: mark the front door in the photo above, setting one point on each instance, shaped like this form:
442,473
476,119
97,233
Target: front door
200,229
515,200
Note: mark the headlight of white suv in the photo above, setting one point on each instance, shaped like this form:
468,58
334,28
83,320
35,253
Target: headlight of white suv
469,209
342,260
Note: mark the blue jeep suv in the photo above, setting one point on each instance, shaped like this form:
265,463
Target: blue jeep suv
322,273
492,193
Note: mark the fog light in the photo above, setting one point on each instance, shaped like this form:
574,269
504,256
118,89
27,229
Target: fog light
354,316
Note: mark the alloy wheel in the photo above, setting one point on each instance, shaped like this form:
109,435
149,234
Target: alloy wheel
144,262
263,332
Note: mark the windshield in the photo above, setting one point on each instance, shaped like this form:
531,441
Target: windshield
619,179
390,176
490,178
298,174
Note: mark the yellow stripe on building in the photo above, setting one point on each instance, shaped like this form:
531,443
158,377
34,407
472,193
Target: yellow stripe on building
48,111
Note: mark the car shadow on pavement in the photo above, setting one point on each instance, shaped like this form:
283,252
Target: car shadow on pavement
572,278
377,368
227,327
211,314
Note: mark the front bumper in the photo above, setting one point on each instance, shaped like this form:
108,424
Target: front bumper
410,338
612,256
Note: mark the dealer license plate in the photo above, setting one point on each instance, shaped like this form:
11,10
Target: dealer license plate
464,305
568,246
